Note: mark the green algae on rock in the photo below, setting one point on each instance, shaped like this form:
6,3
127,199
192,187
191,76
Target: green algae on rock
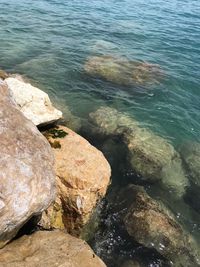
123,72
56,133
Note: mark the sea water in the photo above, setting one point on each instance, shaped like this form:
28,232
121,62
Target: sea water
49,41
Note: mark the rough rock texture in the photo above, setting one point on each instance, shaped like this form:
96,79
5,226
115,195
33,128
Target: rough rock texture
34,103
27,180
150,155
52,249
151,224
83,175
3,74
122,71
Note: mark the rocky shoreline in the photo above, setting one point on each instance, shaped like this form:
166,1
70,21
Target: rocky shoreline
55,178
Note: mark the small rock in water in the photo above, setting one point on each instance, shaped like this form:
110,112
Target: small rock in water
122,71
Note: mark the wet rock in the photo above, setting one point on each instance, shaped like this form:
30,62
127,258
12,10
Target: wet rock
110,122
190,153
148,153
151,156
50,248
3,74
27,180
83,175
122,71
151,224
33,103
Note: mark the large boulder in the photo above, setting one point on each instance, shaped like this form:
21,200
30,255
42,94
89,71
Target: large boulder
83,175
121,71
50,248
151,224
27,179
151,156
33,103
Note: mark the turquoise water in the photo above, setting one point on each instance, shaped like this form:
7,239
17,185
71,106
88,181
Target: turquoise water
49,42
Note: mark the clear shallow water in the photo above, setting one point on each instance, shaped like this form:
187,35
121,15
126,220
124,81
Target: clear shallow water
49,41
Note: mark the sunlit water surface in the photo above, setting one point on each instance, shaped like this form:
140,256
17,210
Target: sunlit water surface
49,42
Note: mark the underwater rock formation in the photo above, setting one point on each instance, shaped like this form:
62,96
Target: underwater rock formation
151,156
27,179
122,71
151,224
49,248
190,153
32,102
83,175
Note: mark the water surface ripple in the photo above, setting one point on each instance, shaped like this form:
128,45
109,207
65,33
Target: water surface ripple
50,40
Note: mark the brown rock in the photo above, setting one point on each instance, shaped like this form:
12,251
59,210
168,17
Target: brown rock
151,224
83,175
27,180
122,71
3,74
52,249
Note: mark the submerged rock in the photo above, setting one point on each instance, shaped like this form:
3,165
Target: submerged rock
151,156
190,153
27,180
151,224
122,71
83,175
33,103
50,248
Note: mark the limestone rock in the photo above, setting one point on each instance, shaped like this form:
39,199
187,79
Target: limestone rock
27,179
151,224
83,175
33,103
50,248
122,71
